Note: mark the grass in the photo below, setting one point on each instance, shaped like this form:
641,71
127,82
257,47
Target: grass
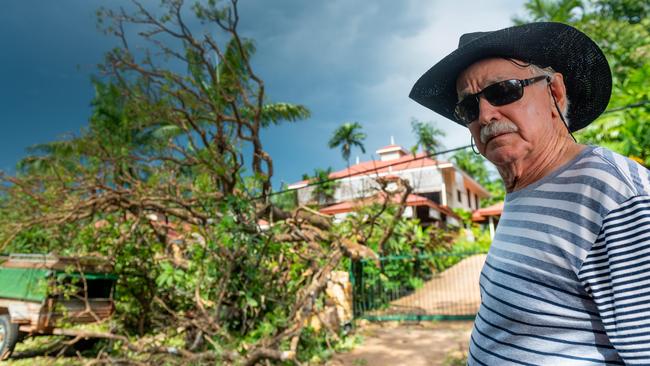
457,357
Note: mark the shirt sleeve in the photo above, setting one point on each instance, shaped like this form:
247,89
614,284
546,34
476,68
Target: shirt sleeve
616,273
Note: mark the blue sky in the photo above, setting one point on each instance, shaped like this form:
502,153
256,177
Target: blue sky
346,60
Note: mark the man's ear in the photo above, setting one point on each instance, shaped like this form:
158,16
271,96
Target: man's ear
558,90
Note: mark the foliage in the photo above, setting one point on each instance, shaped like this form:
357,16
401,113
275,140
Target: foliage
456,358
410,237
474,165
409,257
170,180
347,136
428,136
285,199
315,346
472,237
564,11
479,244
622,29
324,188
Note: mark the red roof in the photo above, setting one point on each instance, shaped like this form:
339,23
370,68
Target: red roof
377,167
411,200
482,213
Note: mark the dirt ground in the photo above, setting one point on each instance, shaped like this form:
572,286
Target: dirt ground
429,344
454,292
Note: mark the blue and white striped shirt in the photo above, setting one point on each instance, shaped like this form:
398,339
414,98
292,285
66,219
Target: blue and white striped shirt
567,279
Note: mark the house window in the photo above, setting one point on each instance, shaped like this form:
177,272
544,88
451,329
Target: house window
469,199
460,197
476,201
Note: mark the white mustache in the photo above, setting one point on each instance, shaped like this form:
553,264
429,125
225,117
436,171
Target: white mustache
496,128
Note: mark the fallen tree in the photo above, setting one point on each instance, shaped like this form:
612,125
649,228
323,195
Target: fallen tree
170,180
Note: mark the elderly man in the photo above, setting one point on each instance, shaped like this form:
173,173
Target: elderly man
567,278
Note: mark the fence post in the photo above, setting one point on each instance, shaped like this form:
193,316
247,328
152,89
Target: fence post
356,278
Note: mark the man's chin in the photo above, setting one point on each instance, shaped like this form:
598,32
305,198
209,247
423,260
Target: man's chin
501,155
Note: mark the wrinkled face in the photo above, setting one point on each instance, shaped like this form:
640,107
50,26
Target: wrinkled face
515,131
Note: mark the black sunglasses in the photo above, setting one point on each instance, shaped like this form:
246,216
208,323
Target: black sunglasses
497,94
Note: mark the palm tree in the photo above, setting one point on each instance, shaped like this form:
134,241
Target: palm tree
427,135
472,164
564,11
346,136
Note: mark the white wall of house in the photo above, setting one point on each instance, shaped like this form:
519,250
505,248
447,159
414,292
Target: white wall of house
460,191
426,179
392,155
448,181
445,178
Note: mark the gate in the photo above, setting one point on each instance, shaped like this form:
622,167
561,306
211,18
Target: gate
425,287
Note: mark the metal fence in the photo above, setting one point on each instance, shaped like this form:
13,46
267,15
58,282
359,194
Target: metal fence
426,287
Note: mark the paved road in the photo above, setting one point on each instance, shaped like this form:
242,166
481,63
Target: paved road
426,344
453,292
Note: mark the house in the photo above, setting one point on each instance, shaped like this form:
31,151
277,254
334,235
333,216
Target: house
490,214
438,187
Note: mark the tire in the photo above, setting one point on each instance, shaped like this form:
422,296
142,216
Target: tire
8,336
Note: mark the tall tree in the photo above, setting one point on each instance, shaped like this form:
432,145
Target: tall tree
347,136
428,136
563,11
174,144
473,164
324,188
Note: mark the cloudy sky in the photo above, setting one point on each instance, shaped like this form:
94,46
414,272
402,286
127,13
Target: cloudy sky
346,60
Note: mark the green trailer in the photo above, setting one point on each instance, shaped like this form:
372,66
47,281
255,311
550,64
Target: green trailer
39,293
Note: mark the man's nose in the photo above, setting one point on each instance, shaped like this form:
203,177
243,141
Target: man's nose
487,112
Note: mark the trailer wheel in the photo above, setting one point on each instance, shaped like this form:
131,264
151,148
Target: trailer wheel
8,336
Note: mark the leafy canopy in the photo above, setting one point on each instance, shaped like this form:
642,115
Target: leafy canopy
622,29
347,136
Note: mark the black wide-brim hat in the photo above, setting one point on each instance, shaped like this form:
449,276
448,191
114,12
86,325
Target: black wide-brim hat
583,65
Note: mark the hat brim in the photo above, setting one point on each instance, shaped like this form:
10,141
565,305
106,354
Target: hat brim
583,65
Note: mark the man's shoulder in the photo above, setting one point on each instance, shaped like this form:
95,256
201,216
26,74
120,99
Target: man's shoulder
598,179
624,174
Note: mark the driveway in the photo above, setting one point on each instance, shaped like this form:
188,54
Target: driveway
423,344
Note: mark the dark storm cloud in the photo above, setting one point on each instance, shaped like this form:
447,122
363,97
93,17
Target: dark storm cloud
356,61
347,60
332,43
